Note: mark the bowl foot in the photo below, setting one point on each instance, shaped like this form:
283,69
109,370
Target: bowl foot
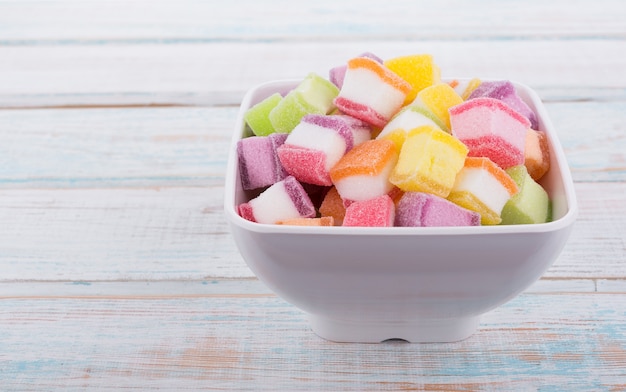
417,331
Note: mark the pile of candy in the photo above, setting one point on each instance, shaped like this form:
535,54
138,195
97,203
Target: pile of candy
387,143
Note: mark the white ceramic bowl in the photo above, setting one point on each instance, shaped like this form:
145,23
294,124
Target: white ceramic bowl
422,284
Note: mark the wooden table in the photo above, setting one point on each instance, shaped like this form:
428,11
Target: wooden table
117,268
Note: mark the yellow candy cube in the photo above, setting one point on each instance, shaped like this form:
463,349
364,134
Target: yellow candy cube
429,161
439,98
419,70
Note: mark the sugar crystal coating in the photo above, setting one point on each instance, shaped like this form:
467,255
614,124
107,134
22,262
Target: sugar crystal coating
333,206
314,146
429,161
375,212
536,154
505,91
419,70
418,209
338,73
439,98
490,128
363,173
322,221
387,143
530,205
371,92
482,186
257,117
283,200
258,161
314,95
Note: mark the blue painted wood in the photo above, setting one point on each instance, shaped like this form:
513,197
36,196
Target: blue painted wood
534,342
117,270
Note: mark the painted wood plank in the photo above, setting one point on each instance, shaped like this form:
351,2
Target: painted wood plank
68,22
115,147
121,234
172,146
237,287
593,136
174,233
221,72
534,342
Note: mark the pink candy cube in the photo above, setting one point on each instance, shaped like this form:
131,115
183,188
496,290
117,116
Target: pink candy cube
376,212
491,129
314,147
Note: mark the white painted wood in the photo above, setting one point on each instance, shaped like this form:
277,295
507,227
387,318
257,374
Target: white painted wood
173,233
221,72
174,146
98,21
117,269
50,148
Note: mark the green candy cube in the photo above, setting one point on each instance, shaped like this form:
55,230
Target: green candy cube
530,205
257,117
314,95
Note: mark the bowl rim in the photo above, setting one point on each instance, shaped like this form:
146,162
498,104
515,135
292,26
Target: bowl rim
287,84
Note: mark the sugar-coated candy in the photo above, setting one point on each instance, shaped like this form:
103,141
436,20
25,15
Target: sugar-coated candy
322,221
257,117
418,209
314,95
371,92
375,212
388,143
314,146
438,98
283,200
505,91
361,131
333,206
363,173
429,161
530,205
410,117
259,165
484,187
536,154
338,73
490,128
419,70
465,88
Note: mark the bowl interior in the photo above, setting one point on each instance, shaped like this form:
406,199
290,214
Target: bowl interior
557,182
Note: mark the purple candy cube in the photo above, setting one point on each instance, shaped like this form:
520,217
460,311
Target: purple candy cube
418,209
258,161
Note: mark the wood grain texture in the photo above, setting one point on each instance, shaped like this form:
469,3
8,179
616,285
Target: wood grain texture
117,267
174,146
221,72
535,342
102,21
181,233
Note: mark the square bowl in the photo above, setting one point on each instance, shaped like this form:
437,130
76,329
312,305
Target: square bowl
419,284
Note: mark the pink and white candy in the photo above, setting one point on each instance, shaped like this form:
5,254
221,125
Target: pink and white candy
314,146
284,200
492,129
